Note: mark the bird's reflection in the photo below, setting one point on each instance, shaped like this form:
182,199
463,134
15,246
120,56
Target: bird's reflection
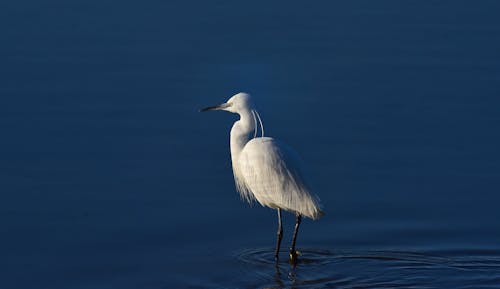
291,275
278,277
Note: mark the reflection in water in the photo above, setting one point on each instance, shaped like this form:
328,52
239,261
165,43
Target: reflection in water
369,269
278,277
290,276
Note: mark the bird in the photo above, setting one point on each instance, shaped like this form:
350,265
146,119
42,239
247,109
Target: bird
267,170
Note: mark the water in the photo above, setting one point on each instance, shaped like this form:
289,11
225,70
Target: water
110,178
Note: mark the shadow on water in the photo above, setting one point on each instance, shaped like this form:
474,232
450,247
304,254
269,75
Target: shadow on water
373,269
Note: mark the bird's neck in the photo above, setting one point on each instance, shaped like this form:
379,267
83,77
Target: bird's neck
241,133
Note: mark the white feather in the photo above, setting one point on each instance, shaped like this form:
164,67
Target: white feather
255,124
271,171
260,121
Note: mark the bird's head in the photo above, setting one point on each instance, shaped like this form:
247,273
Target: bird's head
236,104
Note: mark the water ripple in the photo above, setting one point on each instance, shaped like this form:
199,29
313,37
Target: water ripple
372,269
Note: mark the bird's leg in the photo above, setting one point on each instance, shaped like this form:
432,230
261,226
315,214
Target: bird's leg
293,252
280,235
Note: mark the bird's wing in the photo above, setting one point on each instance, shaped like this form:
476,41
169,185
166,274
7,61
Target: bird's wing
272,172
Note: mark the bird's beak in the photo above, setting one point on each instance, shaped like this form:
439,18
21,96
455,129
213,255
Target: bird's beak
216,107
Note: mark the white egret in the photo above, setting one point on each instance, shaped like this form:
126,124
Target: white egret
267,170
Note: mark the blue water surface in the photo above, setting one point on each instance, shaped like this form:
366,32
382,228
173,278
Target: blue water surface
110,178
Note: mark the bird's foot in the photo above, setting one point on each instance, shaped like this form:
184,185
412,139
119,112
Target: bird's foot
294,254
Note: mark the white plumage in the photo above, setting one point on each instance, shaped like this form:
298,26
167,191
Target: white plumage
271,172
265,169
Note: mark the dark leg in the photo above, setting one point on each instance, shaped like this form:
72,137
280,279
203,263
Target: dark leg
280,235
293,252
